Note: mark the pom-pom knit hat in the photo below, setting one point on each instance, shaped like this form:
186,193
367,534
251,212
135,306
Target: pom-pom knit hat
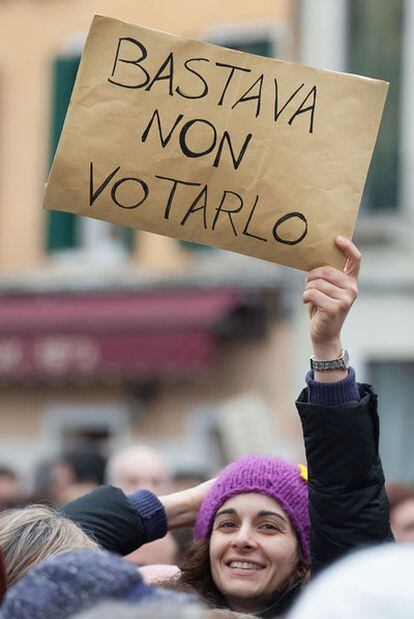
274,477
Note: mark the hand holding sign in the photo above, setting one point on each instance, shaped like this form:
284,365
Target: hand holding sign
330,294
206,144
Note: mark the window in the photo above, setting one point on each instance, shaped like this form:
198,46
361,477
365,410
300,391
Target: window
261,46
65,425
393,381
66,231
375,49
366,37
97,440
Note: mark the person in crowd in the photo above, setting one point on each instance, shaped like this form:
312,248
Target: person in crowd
43,491
77,580
138,466
104,518
401,500
347,505
253,538
374,583
31,534
12,489
75,473
133,468
182,479
262,527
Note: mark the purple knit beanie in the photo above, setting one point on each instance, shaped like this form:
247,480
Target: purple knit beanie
265,475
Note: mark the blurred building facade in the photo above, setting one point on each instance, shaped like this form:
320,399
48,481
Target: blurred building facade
109,335
376,38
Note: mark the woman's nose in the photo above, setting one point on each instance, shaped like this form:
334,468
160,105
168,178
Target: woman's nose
244,537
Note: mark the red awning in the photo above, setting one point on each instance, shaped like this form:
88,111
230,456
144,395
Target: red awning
110,335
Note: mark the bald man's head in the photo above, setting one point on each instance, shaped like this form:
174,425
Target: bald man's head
138,466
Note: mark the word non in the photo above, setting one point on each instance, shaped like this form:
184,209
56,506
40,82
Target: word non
197,125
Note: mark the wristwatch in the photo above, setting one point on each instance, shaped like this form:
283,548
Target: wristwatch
341,363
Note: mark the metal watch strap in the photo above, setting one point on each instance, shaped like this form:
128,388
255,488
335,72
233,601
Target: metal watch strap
341,363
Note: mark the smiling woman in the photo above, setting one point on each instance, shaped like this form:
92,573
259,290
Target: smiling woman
253,536
254,547
253,551
253,522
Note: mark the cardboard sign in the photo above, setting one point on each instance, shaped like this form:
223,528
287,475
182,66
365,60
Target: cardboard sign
211,145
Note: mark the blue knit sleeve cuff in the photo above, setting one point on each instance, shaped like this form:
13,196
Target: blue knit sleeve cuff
331,394
151,512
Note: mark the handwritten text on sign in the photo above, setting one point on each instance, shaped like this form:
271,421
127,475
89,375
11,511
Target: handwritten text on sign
206,144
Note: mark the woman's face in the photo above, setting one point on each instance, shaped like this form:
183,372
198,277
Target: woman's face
253,551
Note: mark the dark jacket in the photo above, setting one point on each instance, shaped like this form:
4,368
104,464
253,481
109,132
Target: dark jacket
118,523
348,506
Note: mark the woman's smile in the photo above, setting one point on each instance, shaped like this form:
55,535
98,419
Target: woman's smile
253,550
244,566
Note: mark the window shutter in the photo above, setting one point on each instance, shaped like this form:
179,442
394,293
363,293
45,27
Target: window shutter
262,46
61,227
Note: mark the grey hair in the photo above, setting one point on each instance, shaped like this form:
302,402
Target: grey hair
31,534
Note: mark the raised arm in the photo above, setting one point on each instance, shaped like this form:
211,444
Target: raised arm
122,523
347,502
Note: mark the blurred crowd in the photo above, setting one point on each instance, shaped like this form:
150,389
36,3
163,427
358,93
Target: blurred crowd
79,471
268,538
369,583
76,472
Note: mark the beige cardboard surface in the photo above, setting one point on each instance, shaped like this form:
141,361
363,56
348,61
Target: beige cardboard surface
206,144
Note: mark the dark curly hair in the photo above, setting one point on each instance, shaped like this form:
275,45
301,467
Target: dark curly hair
196,576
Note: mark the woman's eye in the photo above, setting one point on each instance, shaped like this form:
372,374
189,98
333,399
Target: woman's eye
268,526
227,524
